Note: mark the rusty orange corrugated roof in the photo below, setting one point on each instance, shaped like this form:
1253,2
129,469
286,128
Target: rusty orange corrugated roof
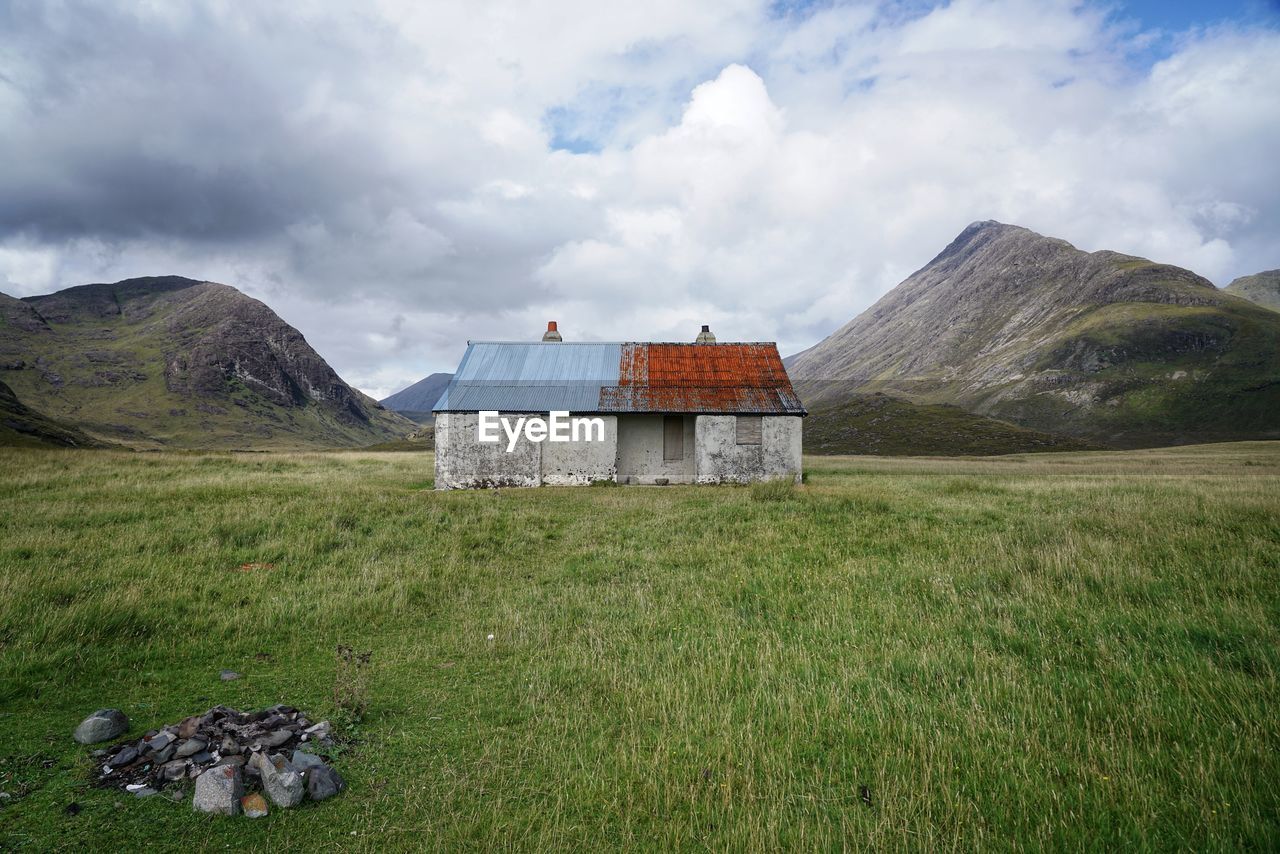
701,378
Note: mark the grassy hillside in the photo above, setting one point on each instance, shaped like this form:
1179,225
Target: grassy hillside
419,418
422,440
1158,374
22,426
1064,651
884,425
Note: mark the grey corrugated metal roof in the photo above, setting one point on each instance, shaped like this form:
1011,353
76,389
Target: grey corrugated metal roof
475,397
531,376
589,377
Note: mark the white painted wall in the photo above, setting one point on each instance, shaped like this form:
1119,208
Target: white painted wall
580,463
782,438
631,452
720,459
464,462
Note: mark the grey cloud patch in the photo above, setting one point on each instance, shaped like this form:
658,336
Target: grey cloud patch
324,153
122,196
122,130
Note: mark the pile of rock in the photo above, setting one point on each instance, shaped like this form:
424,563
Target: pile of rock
277,750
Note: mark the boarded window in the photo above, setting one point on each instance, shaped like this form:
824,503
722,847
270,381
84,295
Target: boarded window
673,437
748,429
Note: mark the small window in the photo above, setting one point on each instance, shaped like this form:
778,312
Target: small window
673,437
748,429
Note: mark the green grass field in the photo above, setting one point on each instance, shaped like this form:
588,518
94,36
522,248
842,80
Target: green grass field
1071,651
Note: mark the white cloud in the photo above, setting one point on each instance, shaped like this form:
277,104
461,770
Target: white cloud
384,176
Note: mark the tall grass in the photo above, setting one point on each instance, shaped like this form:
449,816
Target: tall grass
1065,650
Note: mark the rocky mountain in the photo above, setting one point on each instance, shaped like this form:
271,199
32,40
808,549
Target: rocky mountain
416,401
1028,329
174,362
1261,288
23,426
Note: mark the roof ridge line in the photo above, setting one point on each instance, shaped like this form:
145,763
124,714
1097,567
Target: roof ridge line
612,343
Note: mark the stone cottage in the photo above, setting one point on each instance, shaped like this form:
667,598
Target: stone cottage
652,413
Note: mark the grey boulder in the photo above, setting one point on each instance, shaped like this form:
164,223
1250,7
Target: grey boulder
124,757
277,738
282,784
174,770
319,731
102,725
305,761
218,791
190,747
160,741
323,783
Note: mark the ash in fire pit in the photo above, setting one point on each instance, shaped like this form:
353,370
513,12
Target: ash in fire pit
277,750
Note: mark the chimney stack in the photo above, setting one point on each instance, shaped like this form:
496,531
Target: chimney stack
552,334
705,336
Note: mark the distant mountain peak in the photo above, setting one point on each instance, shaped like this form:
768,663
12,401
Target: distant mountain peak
989,225
1261,288
1009,323
982,235
418,399
988,229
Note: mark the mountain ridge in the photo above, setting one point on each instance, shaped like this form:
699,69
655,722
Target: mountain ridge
1028,329
167,361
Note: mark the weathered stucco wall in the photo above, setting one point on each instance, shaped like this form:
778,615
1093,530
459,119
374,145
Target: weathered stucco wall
783,445
463,462
720,459
632,452
580,463
640,451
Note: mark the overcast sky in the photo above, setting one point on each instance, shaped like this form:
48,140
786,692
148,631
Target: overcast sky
394,178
